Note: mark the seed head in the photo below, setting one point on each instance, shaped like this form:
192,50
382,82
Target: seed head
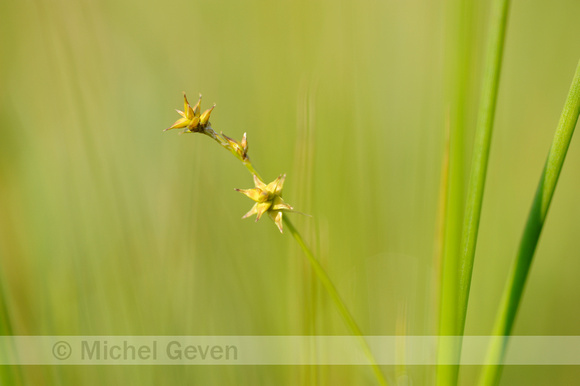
268,199
191,119
240,148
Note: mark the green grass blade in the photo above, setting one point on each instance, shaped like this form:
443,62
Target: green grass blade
458,53
451,191
458,266
517,279
9,375
339,303
483,133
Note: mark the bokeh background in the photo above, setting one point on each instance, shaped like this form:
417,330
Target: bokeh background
110,227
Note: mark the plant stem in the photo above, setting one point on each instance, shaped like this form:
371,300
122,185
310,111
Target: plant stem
338,302
219,139
520,269
318,269
9,375
458,264
484,128
457,80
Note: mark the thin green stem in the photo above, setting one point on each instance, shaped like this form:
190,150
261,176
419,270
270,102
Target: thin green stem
459,263
520,269
484,128
251,169
9,375
222,141
338,302
234,149
457,79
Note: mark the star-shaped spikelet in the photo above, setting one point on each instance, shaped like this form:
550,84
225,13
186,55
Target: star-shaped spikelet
191,119
268,199
240,149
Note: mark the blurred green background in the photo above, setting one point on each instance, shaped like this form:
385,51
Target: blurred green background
110,227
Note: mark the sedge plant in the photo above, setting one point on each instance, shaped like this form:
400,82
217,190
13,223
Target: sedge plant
457,277
455,295
268,200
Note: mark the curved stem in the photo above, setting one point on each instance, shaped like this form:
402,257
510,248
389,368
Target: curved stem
246,162
318,269
251,169
338,302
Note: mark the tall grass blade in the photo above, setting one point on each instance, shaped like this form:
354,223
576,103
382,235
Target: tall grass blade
9,375
461,278
458,52
483,133
519,272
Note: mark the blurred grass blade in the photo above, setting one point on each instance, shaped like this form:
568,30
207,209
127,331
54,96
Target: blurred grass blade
459,41
342,309
9,375
458,271
536,218
439,233
483,132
